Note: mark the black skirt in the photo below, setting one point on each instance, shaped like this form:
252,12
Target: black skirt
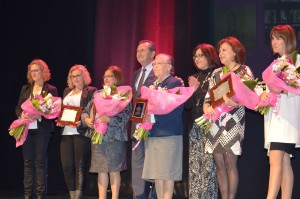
286,147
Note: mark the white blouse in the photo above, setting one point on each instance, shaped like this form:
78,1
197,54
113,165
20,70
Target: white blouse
72,100
282,125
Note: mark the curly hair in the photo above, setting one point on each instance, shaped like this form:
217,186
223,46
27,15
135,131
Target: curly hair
46,75
85,73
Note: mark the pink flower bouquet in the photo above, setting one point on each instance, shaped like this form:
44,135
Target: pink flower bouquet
48,107
160,101
109,102
282,75
243,95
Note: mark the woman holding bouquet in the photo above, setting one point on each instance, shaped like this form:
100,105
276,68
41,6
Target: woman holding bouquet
75,146
202,170
282,125
227,133
36,144
109,157
163,152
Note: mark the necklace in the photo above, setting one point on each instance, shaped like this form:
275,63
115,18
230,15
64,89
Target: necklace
207,78
225,69
37,89
233,67
75,91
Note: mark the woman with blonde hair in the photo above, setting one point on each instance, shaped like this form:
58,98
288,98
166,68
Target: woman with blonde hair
39,130
75,146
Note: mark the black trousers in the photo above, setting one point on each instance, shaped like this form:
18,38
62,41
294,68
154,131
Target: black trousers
75,154
35,162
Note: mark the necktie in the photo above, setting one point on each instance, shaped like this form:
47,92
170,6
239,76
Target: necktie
140,84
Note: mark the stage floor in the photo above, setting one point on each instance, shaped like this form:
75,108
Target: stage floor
18,196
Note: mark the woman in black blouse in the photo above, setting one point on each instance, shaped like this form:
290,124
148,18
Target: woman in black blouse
36,144
202,171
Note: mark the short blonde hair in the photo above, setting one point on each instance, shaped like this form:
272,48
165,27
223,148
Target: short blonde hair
46,75
86,75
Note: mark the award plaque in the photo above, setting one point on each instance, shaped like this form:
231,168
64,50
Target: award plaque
69,115
220,89
139,110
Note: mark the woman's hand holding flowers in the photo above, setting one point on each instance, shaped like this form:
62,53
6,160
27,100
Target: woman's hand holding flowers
229,102
208,109
31,117
89,122
264,96
104,119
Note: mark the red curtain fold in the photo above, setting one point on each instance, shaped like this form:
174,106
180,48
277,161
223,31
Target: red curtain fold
120,25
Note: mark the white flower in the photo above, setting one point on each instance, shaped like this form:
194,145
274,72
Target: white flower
50,102
258,90
107,90
116,97
49,96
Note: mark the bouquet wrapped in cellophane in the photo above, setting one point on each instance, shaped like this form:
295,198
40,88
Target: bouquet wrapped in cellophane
44,105
110,101
243,94
160,101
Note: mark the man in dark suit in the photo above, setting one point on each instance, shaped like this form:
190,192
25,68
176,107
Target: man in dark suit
145,54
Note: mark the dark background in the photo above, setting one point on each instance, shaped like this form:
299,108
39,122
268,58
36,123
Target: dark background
63,34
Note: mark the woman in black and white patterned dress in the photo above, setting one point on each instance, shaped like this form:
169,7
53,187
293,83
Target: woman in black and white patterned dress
227,133
202,169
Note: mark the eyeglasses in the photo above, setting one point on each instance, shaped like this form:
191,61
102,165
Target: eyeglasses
35,70
108,76
199,56
158,63
75,76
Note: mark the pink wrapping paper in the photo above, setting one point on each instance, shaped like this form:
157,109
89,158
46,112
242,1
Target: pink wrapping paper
164,102
243,95
29,109
271,79
109,107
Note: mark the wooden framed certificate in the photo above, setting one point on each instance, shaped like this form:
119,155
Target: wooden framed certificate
139,110
69,115
220,89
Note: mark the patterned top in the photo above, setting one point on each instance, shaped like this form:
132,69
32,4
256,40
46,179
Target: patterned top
116,128
227,133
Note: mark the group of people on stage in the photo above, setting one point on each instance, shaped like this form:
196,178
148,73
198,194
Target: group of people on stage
157,163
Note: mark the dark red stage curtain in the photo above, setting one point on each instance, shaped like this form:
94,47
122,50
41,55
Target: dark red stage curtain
120,25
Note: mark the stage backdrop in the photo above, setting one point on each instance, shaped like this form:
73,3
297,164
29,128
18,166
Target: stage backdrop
99,33
119,25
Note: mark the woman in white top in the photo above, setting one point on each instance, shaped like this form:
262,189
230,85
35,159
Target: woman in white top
75,146
282,126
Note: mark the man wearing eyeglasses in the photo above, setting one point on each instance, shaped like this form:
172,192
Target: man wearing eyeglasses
145,54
